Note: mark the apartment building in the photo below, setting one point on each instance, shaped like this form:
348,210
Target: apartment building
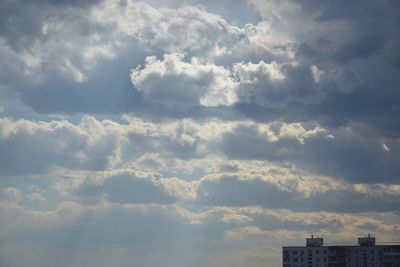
365,254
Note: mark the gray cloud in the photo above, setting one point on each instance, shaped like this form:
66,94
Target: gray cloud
235,190
126,187
28,147
342,153
276,84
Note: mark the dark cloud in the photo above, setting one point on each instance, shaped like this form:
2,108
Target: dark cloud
21,23
273,84
236,191
343,153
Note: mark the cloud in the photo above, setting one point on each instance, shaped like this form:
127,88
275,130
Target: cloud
61,228
62,80
153,132
240,190
35,147
342,153
72,231
41,37
12,194
156,234
280,38
273,84
124,186
178,84
166,28
346,153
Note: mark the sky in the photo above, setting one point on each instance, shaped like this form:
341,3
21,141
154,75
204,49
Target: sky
182,133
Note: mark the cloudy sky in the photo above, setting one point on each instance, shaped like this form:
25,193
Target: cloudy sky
184,133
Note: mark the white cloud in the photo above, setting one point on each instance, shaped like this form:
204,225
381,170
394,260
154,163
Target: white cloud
250,73
385,147
12,194
317,73
182,85
296,130
167,28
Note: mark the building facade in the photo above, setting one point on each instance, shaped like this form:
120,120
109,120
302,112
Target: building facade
366,254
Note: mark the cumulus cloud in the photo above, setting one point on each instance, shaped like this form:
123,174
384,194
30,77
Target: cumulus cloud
182,85
166,27
210,36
